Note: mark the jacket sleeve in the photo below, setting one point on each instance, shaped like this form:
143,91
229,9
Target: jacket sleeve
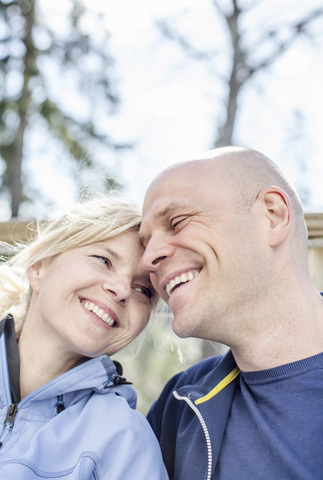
132,453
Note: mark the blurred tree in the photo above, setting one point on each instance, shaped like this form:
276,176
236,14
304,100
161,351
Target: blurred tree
42,58
297,150
247,37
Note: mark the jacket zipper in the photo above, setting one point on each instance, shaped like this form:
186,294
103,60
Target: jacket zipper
9,422
204,428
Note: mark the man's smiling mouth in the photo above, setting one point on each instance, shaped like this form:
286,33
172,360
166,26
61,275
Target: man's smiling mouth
91,307
179,279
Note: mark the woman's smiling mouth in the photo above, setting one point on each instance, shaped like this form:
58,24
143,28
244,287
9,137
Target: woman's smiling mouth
91,307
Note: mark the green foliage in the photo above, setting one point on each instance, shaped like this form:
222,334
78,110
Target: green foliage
42,63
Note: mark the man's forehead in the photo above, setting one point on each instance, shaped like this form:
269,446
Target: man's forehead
168,184
163,207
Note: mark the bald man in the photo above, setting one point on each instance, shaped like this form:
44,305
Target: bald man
226,248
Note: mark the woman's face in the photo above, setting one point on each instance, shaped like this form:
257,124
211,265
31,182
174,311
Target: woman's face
93,299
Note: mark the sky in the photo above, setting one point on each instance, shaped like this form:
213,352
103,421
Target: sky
170,106
175,117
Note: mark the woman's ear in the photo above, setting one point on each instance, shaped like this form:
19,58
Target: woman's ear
33,274
278,212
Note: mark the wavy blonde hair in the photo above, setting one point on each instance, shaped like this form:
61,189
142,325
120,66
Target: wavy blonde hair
88,222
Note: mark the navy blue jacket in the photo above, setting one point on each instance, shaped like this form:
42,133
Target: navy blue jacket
185,421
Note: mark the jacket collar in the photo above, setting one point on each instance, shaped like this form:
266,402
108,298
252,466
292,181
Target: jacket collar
213,398
7,327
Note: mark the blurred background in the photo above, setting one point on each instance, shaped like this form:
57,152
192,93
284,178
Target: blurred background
99,96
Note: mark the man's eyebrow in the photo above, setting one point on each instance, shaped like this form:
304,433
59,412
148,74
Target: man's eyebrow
165,211
172,207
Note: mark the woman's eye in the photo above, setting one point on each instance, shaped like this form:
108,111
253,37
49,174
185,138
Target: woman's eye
149,293
104,260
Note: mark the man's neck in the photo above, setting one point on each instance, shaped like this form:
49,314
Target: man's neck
291,334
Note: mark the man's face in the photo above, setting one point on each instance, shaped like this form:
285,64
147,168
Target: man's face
203,254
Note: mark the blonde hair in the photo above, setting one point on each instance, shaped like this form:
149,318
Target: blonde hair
88,222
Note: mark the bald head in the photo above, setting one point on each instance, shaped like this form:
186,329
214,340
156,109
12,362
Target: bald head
244,170
238,172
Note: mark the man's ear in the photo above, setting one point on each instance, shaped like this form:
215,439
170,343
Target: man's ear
33,274
278,212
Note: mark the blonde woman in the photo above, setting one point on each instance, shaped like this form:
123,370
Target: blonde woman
72,297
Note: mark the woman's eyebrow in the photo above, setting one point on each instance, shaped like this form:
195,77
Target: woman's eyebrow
111,252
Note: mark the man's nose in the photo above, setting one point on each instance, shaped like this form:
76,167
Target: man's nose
155,252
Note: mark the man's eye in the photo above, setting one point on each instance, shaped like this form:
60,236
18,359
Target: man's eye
104,260
177,221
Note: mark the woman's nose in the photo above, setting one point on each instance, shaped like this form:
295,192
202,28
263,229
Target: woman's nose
119,288
155,252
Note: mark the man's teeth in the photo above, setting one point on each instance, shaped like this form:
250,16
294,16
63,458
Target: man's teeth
99,313
183,278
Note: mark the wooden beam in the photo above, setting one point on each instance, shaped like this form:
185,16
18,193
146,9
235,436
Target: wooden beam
314,222
19,230
14,230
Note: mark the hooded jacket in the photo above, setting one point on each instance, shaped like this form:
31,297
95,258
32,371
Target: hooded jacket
80,426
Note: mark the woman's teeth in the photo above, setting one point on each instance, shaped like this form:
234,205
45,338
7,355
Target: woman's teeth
99,313
183,278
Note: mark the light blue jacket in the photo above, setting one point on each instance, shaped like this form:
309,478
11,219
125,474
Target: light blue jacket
97,436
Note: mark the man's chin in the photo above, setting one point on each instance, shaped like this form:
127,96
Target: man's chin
180,328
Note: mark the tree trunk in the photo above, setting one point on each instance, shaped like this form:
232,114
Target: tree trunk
15,165
15,171
238,76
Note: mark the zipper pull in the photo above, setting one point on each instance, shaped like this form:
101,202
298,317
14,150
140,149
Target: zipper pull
9,422
60,405
12,412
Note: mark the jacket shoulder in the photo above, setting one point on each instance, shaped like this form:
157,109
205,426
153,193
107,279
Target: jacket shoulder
197,378
196,372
